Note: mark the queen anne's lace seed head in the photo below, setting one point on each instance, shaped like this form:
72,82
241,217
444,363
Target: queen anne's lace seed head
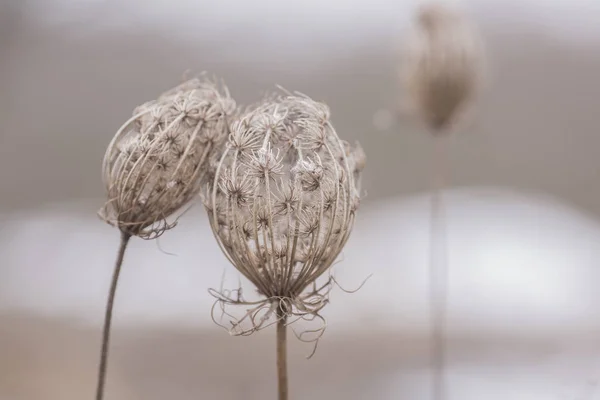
264,163
156,162
286,201
236,188
309,173
299,203
442,64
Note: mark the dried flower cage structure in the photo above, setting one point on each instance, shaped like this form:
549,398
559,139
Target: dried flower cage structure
282,205
156,161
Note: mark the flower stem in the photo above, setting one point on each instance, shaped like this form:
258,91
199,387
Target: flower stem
108,316
282,375
438,270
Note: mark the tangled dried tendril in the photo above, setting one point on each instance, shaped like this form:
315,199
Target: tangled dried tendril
264,313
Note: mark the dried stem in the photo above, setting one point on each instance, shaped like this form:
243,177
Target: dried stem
438,274
282,375
108,316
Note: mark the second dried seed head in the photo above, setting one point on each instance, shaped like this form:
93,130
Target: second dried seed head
156,161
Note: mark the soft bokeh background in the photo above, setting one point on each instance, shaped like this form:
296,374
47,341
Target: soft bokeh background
523,209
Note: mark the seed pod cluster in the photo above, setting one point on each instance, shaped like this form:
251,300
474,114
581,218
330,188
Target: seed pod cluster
156,162
284,196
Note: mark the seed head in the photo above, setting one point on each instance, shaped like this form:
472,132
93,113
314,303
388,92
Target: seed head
442,65
236,188
299,204
157,160
287,199
264,163
309,173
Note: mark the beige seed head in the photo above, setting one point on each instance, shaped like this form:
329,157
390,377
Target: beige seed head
286,185
442,65
156,162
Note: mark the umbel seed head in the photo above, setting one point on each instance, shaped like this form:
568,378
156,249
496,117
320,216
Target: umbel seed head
441,67
156,162
283,202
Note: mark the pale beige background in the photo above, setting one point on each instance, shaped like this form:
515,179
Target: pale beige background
524,229
72,71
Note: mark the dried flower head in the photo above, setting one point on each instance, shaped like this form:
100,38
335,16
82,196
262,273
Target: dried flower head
156,161
297,181
442,64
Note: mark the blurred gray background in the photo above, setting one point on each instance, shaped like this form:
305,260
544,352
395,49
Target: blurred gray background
523,205
72,71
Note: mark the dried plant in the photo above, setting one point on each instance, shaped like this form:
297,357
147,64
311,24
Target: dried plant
155,162
441,71
442,65
282,206
155,165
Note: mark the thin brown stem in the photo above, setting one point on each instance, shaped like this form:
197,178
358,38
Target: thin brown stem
438,274
108,316
282,375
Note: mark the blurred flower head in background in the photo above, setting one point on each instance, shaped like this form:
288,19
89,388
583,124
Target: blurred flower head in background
442,64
